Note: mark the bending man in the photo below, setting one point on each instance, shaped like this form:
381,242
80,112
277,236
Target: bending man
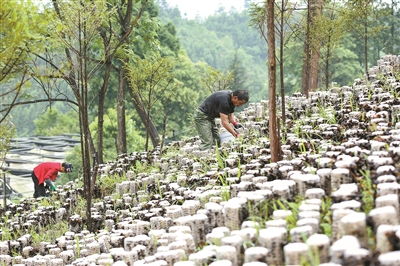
219,104
46,173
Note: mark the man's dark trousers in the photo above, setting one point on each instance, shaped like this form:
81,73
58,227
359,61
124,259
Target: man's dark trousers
40,190
208,131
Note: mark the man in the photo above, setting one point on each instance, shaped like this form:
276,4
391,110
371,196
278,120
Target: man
45,174
219,104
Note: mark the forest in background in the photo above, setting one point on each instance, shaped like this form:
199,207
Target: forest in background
129,77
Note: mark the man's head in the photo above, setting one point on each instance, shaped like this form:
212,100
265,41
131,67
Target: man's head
239,97
66,167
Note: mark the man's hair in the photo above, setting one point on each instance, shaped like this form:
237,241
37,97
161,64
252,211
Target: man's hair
242,95
67,167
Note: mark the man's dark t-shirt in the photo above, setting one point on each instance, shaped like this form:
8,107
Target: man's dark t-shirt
216,103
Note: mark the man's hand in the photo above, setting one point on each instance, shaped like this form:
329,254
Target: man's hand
227,125
237,125
50,185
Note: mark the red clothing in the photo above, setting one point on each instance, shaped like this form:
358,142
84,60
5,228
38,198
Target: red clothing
46,170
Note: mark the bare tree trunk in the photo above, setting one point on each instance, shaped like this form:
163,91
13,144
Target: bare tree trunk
121,135
314,70
366,46
164,131
327,61
281,63
392,29
84,121
311,50
273,125
100,112
316,9
148,123
307,54
124,21
148,119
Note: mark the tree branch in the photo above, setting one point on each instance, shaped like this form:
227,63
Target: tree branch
8,110
40,101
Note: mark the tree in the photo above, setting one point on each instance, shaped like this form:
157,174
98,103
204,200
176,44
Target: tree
148,81
216,80
267,30
54,122
328,31
238,74
311,49
272,119
360,11
282,20
120,25
19,30
75,31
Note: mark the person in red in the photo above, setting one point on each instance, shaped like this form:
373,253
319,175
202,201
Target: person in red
44,174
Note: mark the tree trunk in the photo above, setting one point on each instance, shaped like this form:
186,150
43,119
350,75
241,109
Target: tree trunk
328,56
84,121
165,120
366,47
281,64
148,123
121,132
311,50
392,29
100,112
148,118
273,135
316,9
307,55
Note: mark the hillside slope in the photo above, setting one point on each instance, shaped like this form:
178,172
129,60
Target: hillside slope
333,198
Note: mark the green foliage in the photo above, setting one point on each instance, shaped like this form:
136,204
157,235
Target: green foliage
7,131
144,168
218,40
346,63
367,190
107,184
47,233
135,141
53,123
326,216
75,158
327,113
219,157
20,25
292,206
225,193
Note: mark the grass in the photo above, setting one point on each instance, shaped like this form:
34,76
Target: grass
367,190
170,152
220,157
47,233
107,184
291,220
327,113
297,127
302,147
260,212
326,217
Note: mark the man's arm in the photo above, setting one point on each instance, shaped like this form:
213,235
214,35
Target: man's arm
50,184
225,123
232,119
